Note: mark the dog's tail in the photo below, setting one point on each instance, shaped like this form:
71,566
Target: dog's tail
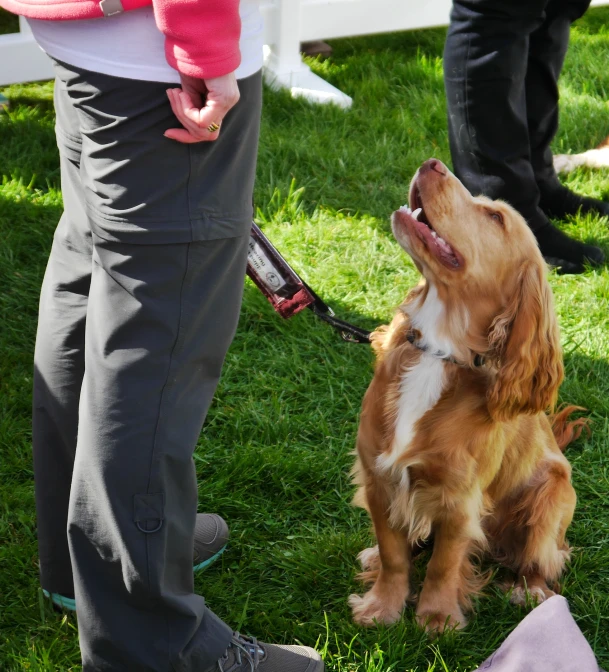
566,430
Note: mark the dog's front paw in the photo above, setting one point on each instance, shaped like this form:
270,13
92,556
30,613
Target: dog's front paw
564,163
435,622
370,609
537,594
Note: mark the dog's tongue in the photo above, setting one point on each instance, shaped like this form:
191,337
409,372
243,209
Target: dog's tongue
444,251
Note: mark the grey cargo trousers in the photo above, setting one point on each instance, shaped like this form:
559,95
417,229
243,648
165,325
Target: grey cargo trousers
139,304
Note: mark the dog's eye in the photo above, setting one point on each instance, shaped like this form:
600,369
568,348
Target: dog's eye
497,217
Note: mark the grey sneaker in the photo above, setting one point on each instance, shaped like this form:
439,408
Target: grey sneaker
211,537
247,654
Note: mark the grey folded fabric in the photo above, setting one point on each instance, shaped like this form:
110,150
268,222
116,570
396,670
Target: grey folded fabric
547,640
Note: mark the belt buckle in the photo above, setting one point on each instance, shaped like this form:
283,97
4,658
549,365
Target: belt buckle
111,7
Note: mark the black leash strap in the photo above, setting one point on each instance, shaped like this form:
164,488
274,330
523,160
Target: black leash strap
286,291
349,332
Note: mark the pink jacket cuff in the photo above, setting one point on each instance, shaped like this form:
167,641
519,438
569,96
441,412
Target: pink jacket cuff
201,36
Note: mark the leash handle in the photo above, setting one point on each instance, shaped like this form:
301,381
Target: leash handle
274,277
286,291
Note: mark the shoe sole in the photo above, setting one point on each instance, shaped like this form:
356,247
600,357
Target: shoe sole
209,561
68,604
60,602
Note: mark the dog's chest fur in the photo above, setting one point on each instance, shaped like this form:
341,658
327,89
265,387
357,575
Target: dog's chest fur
421,385
419,391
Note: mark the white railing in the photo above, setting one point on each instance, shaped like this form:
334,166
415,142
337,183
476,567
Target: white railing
21,60
287,24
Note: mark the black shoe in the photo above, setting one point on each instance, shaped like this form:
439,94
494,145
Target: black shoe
246,654
565,253
563,267
558,202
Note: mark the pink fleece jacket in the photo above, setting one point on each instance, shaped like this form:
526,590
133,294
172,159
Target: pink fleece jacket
201,36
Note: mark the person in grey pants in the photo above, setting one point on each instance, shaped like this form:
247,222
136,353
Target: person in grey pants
139,304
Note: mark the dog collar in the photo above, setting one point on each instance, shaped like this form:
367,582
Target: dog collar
411,337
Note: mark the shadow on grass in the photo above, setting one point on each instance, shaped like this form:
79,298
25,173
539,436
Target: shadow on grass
587,383
26,226
29,150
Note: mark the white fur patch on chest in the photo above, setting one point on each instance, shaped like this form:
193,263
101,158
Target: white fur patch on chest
427,317
421,386
420,389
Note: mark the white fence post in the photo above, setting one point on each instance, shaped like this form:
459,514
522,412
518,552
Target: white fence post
283,63
21,59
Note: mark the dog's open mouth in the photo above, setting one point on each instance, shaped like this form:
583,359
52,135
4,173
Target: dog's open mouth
414,217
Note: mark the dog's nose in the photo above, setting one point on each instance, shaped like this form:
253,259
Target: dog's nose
435,165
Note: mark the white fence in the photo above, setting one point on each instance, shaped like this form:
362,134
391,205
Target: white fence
20,58
287,24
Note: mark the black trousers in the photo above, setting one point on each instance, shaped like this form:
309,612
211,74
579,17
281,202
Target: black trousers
139,304
502,61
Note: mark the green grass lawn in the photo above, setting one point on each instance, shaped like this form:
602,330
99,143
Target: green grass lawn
275,453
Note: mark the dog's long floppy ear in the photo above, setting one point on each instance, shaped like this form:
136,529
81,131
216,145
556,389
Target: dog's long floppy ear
525,343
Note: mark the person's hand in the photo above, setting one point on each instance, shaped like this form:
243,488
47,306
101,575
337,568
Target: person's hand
201,122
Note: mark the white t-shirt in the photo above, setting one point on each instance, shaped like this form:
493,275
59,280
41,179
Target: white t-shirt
130,45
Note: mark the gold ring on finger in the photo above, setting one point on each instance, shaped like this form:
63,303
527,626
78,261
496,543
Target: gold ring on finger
213,127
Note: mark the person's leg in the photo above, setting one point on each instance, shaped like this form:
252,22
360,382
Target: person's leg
485,65
547,51
170,226
163,307
160,320
59,362
58,373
